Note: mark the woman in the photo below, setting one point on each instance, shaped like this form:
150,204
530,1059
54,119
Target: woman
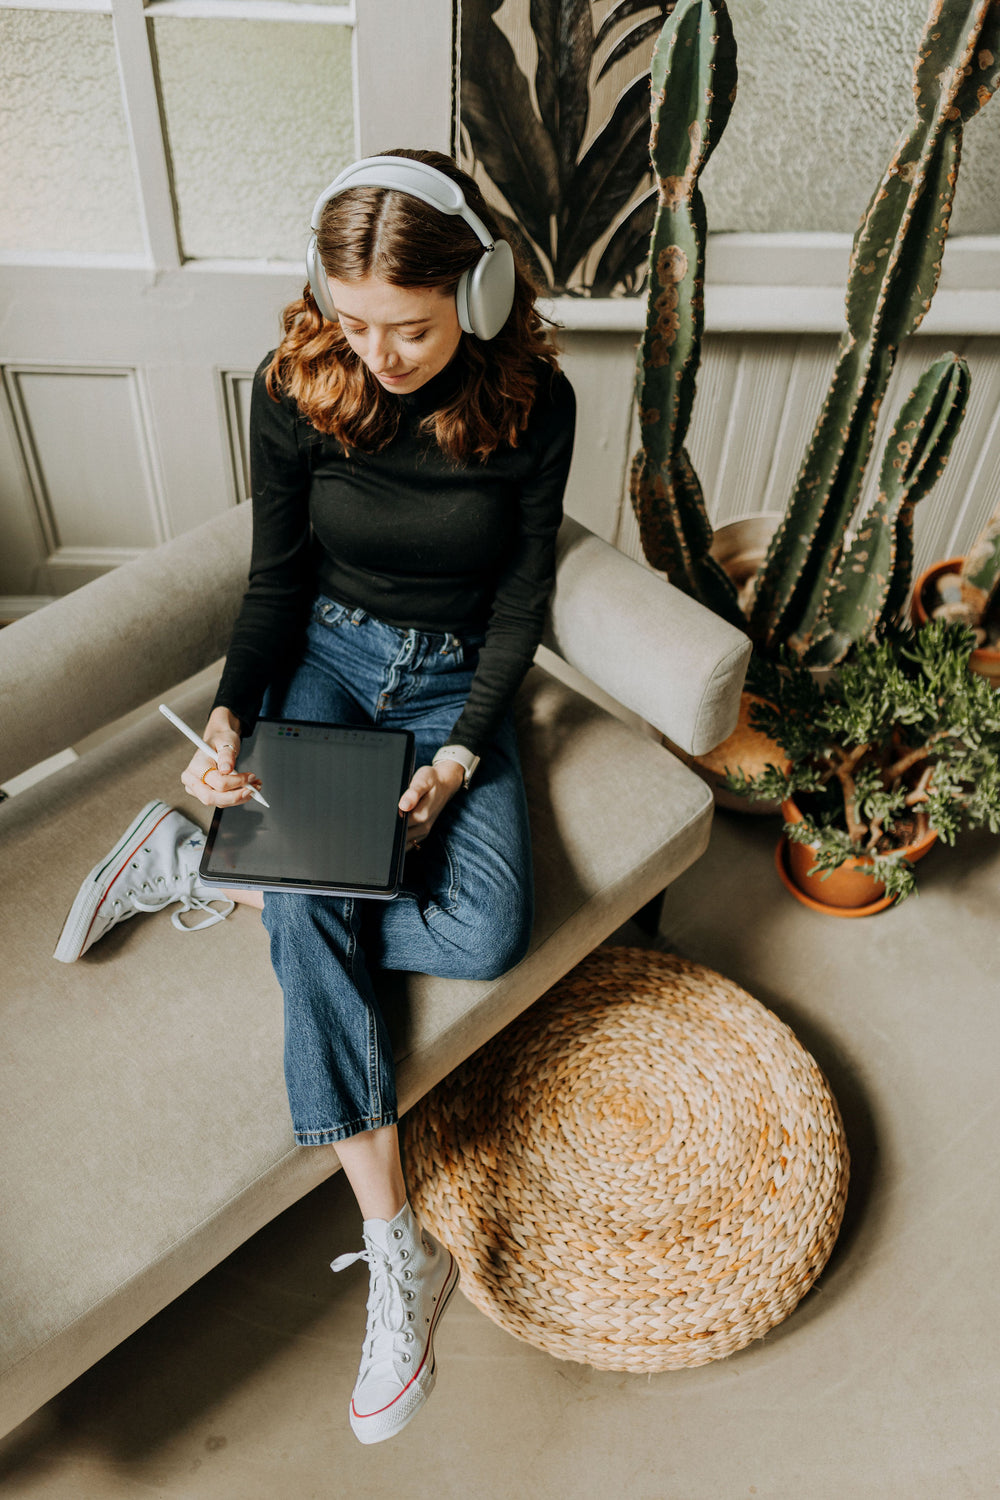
407,477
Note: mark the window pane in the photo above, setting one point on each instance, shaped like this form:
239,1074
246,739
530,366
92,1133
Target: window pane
66,175
260,117
795,155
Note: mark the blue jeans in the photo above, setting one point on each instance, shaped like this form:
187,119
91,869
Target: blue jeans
465,909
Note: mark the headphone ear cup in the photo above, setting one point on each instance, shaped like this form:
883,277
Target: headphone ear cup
319,284
485,294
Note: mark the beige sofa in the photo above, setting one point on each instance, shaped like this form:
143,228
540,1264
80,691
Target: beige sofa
144,1123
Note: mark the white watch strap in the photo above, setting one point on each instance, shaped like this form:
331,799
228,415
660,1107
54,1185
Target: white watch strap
465,759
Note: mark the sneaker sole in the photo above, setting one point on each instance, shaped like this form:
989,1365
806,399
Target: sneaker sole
423,1381
97,886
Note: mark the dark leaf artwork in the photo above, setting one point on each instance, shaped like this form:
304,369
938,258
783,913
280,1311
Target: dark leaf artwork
529,140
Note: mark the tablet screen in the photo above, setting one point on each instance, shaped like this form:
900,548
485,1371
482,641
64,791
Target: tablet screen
333,821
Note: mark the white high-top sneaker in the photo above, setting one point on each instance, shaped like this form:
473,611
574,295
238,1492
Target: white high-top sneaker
412,1279
154,864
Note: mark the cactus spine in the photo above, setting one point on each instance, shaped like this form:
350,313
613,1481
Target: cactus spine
895,265
693,77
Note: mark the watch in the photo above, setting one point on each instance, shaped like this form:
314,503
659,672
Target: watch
465,759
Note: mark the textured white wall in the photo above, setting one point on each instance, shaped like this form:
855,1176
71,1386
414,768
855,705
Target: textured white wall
824,90
66,179
254,110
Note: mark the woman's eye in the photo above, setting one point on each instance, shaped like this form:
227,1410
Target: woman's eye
414,338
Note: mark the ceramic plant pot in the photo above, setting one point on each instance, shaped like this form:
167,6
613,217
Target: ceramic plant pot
849,891
740,547
986,660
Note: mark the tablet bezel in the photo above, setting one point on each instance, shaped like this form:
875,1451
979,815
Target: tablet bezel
302,885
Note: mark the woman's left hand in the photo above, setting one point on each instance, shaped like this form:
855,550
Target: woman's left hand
430,791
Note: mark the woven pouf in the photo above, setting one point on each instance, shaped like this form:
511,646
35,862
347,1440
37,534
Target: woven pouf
645,1171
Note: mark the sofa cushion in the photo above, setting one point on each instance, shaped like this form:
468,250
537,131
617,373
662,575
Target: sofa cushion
145,1126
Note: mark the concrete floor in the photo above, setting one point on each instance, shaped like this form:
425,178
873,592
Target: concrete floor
882,1384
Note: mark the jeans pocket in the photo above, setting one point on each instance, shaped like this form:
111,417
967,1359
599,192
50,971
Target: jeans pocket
328,612
448,890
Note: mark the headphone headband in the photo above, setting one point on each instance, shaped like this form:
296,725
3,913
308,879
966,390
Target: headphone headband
414,178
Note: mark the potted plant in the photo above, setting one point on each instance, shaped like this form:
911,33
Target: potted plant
827,581
967,589
898,747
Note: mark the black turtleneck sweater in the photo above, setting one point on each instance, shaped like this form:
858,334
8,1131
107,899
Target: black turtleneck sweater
407,535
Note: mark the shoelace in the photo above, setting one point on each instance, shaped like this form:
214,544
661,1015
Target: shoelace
161,896
387,1312
197,903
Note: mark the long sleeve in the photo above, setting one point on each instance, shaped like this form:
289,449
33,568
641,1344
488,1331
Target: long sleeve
272,613
518,613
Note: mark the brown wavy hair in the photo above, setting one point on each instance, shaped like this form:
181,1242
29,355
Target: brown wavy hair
380,232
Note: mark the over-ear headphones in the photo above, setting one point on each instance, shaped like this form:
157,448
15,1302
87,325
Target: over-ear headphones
485,293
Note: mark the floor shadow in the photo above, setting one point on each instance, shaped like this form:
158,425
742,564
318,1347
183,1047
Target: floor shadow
860,1127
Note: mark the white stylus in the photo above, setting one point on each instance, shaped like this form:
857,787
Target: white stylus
196,739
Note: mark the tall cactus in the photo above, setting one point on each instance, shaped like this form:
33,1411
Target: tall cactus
895,265
693,77
869,585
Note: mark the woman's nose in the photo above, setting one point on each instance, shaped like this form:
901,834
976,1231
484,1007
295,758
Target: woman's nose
380,356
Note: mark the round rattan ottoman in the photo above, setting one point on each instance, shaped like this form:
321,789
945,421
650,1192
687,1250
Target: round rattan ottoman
645,1171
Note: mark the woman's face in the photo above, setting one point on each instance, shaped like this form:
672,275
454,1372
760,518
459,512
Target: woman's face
405,335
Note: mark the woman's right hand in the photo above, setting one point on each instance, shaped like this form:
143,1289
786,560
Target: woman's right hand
221,785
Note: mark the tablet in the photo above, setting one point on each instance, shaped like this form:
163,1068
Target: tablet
333,824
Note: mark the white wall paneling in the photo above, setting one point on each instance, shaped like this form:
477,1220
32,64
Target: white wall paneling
23,550
92,469
238,390
601,368
187,333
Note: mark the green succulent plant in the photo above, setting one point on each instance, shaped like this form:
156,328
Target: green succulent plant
902,728
817,591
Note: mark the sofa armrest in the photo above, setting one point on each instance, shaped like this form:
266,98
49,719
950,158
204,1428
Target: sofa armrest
86,659
652,648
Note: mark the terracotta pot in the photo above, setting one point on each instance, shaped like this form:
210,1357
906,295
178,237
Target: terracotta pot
746,749
985,661
849,891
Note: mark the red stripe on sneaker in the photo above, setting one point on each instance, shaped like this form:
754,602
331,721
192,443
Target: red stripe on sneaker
442,1303
149,832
